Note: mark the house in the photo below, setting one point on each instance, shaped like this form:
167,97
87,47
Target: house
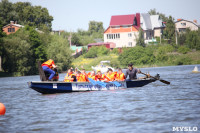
123,30
152,26
182,24
108,45
12,27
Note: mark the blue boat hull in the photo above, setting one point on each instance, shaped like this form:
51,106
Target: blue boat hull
46,87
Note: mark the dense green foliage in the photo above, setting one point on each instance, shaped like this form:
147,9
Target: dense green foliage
140,39
183,49
58,50
22,50
25,14
96,51
158,54
137,55
190,39
169,31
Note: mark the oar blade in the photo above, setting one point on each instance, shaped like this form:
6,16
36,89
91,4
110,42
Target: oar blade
116,83
92,81
164,81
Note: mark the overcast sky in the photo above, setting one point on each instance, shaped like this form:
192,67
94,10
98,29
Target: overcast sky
71,15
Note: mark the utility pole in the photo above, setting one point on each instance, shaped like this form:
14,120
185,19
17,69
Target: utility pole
176,36
70,39
160,37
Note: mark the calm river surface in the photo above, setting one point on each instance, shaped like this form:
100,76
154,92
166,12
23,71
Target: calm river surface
154,108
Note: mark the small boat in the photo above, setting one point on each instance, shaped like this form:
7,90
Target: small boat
51,87
102,67
195,70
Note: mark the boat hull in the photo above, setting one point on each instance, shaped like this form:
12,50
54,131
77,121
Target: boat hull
46,87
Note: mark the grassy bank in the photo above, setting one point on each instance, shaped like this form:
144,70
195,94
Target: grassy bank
173,59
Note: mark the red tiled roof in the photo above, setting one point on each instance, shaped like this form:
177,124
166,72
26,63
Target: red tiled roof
122,20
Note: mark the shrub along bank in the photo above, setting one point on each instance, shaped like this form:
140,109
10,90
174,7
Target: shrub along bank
149,56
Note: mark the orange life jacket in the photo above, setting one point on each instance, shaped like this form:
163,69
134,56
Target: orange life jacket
81,78
111,77
68,76
120,77
92,77
100,77
48,63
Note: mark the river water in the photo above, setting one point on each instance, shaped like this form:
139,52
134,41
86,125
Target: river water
154,108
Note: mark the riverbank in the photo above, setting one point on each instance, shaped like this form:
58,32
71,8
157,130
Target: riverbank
173,59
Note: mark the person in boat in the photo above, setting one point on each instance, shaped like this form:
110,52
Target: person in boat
132,72
92,75
85,74
120,75
100,76
48,66
80,77
110,75
70,76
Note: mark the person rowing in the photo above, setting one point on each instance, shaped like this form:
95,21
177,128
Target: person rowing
48,66
132,72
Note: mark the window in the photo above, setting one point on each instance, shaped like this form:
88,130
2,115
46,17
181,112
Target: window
125,26
107,36
130,44
116,27
11,29
129,34
183,24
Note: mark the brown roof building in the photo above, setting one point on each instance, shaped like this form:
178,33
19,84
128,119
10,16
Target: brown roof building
12,27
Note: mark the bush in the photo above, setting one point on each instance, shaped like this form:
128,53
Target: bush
183,61
183,49
96,51
137,56
115,51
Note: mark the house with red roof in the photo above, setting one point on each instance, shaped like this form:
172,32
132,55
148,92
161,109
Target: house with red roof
123,30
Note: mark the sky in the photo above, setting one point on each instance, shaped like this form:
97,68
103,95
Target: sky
70,15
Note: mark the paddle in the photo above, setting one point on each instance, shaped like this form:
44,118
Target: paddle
97,82
116,83
161,80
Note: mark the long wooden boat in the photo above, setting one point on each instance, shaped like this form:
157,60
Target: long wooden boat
50,87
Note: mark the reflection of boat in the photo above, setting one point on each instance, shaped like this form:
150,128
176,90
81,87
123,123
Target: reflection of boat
195,70
102,67
50,87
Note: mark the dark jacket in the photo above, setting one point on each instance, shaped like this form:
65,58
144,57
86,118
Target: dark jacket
132,73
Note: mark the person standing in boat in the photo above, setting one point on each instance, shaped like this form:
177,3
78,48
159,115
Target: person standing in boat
47,67
132,72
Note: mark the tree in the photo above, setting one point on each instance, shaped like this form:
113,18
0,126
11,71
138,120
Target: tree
18,54
154,12
140,38
169,31
137,55
25,14
76,40
193,40
58,50
7,12
2,34
95,27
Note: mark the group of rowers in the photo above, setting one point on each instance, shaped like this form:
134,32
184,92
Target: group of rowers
82,76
